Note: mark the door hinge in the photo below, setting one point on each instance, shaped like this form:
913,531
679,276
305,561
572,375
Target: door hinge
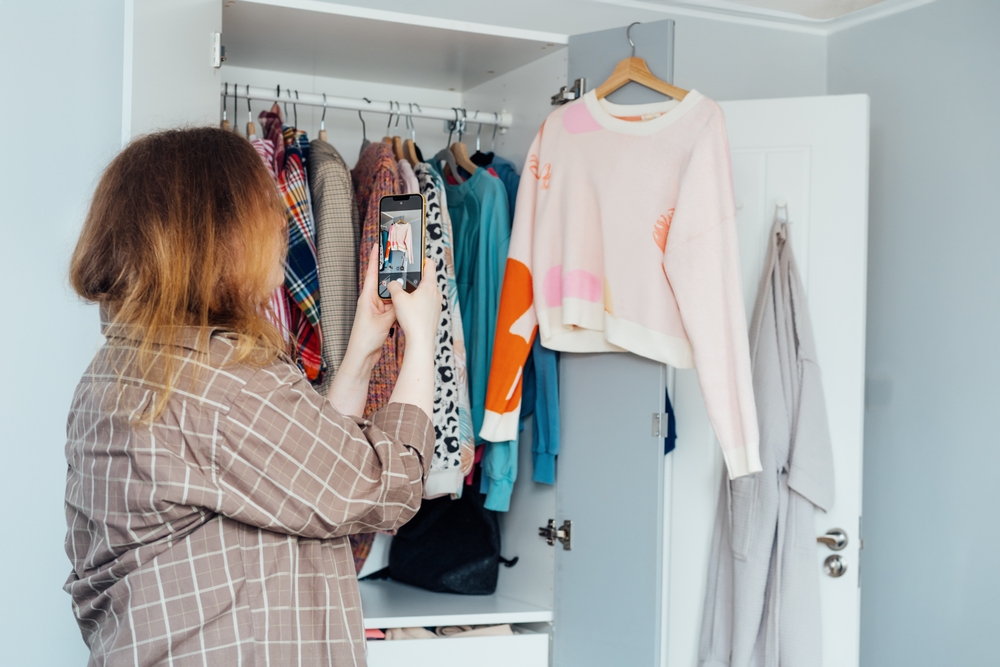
563,533
660,426
218,50
574,92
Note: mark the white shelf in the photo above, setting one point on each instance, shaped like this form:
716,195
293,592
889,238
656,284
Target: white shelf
390,604
345,42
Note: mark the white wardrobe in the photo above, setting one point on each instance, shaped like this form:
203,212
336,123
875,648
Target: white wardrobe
628,589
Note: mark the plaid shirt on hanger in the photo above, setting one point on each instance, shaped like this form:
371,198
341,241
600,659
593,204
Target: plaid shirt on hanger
301,275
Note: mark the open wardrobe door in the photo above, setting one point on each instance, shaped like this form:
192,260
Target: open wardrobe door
608,587
632,590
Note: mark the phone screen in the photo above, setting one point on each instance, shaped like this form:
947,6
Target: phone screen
400,242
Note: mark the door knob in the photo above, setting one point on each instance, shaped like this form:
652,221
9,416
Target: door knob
834,566
835,538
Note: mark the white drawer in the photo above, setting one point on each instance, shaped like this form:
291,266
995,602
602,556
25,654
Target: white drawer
522,650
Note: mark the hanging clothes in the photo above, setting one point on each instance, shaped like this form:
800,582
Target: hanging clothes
465,429
479,213
763,607
653,271
336,213
301,275
445,476
375,176
279,313
407,177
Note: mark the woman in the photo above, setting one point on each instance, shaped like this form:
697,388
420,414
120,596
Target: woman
210,488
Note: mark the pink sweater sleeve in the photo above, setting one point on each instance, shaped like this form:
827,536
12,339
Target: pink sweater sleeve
701,261
517,322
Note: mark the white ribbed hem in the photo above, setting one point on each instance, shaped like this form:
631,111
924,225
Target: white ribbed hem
557,336
647,343
443,483
609,115
742,461
500,427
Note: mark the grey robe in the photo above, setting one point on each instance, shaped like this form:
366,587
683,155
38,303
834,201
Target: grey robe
762,607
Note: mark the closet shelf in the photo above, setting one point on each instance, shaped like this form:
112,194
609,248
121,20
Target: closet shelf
350,42
390,604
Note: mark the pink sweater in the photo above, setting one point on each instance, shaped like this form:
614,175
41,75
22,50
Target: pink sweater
401,238
624,239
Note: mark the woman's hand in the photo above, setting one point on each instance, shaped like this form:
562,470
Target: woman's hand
374,317
420,311
372,321
418,314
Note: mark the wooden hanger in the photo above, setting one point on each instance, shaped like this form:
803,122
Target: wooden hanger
322,121
251,130
636,69
225,121
397,148
410,152
461,154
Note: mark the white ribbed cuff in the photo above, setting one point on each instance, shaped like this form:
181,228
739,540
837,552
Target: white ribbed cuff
499,427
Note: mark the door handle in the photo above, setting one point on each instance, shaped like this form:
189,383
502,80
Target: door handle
835,538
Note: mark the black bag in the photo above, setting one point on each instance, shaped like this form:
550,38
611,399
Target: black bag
450,546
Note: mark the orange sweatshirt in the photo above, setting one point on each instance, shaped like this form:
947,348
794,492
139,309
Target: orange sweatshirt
624,239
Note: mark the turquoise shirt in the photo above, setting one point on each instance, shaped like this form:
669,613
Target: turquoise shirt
480,220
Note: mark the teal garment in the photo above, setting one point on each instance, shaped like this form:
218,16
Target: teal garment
480,220
463,207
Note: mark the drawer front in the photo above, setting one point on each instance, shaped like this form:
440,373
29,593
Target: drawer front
527,650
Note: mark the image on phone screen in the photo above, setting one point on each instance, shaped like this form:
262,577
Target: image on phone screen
401,238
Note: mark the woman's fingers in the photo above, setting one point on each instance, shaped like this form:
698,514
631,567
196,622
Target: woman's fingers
371,275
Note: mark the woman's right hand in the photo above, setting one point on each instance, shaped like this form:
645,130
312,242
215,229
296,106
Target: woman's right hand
418,315
419,312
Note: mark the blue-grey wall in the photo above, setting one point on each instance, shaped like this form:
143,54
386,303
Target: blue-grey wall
61,77
930,574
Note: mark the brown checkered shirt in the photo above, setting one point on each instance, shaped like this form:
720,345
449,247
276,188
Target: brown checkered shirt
218,534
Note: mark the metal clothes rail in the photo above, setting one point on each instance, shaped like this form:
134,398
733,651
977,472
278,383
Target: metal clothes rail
501,119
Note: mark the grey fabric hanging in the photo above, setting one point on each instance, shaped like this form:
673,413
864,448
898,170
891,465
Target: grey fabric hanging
763,607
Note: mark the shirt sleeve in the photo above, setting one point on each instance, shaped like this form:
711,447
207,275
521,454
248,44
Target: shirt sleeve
517,322
289,462
702,263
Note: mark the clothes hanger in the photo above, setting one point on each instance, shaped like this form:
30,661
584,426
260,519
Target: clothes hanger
364,129
225,122
445,155
251,130
397,141
387,139
410,144
636,70
460,152
480,158
322,121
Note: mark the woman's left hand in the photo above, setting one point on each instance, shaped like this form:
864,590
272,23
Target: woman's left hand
374,317
372,322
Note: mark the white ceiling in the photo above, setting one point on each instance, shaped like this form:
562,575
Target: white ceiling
811,9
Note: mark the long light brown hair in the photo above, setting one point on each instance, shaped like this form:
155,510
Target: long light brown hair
185,229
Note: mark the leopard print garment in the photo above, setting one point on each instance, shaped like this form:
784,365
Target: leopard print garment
446,467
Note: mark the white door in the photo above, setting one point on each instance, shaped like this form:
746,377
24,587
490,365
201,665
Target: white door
812,153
